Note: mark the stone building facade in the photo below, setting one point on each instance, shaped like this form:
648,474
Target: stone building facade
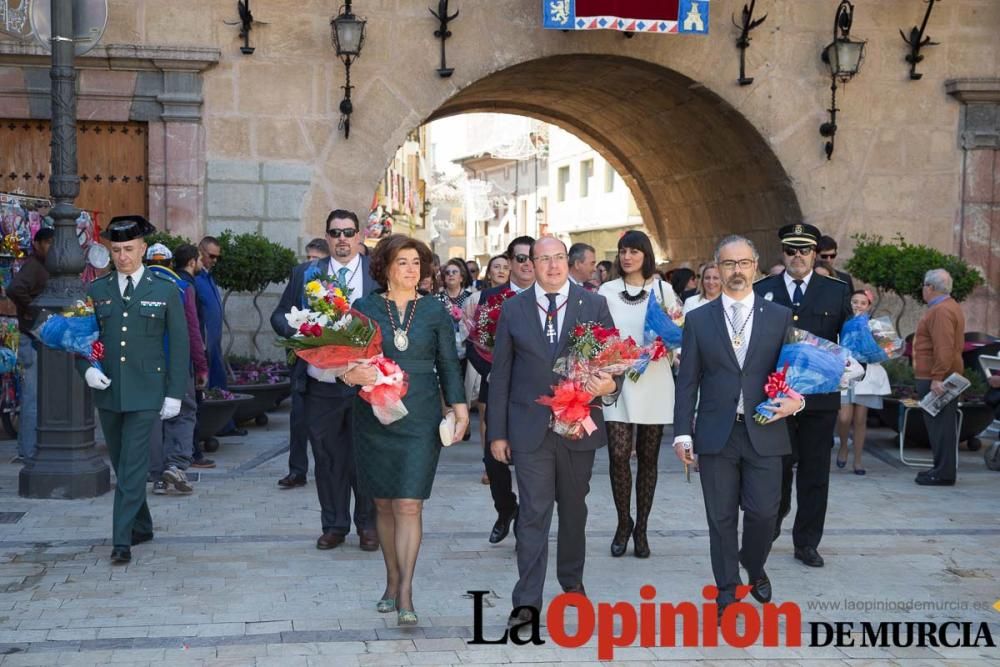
251,141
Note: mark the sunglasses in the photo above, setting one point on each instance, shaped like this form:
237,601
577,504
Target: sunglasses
792,252
828,255
337,233
521,258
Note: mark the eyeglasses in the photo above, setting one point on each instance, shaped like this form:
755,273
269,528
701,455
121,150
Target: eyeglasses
337,233
828,255
730,264
792,252
452,272
521,258
547,259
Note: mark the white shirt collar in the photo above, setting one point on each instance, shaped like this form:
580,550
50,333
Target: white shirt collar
790,282
335,264
136,276
574,280
540,293
747,301
517,290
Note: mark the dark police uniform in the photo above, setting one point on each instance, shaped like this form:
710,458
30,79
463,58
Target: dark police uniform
823,309
146,358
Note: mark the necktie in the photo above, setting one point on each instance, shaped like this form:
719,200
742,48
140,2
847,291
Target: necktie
551,322
342,278
127,294
741,351
797,293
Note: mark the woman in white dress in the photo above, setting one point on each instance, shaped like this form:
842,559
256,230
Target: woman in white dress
709,287
643,407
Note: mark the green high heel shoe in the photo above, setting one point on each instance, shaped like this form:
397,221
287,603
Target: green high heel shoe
385,606
407,617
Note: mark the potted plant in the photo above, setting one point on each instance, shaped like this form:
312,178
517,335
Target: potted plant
166,238
216,408
266,381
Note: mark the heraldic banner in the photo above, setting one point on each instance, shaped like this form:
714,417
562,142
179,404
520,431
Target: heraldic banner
653,16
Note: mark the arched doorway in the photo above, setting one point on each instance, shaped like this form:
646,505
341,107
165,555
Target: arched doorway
697,168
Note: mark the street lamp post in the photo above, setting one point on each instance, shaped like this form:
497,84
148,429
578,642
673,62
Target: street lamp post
67,464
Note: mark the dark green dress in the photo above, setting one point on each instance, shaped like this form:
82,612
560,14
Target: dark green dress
399,460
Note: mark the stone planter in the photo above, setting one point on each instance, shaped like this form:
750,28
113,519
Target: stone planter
213,415
265,397
976,417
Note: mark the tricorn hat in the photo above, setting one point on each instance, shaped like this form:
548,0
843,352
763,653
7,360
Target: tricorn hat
799,235
127,228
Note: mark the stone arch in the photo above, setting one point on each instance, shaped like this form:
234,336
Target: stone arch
697,167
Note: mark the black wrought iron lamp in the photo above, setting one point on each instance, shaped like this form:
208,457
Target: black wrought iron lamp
844,56
916,41
348,38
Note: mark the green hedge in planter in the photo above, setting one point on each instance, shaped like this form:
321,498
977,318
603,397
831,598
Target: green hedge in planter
172,242
250,262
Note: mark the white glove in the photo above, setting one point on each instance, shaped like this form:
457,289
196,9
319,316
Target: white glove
95,379
171,408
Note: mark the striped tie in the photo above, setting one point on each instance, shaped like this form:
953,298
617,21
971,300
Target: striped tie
741,351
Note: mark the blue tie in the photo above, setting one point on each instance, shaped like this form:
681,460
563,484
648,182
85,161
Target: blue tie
797,294
342,278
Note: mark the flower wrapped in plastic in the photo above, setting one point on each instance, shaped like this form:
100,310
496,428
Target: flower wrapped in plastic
807,364
386,395
871,341
661,333
74,330
483,331
592,348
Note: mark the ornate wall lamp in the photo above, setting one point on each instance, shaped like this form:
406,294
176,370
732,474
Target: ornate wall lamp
246,24
743,41
917,41
843,55
443,34
348,38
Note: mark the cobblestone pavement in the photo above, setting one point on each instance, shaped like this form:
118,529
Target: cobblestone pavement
233,576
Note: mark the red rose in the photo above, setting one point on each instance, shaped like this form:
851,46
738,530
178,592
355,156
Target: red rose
578,331
305,328
494,315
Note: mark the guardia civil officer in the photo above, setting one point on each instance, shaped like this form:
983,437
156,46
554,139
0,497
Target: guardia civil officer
820,305
146,357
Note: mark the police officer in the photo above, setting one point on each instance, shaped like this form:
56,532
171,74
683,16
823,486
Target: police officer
820,305
145,370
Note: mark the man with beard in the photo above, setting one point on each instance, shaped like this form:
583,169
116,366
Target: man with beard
730,347
327,400
820,305
522,277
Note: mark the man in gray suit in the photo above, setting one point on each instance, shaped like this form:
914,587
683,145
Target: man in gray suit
532,333
730,346
327,401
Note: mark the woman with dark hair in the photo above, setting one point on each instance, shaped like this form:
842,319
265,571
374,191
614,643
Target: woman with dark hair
604,269
396,462
456,283
644,406
682,281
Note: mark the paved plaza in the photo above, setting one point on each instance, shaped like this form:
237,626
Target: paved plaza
233,576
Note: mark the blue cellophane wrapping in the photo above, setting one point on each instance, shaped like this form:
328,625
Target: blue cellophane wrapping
857,337
815,365
71,334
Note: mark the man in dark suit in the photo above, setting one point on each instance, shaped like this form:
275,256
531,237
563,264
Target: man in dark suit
730,346
532,333
522,277
819,305
327,401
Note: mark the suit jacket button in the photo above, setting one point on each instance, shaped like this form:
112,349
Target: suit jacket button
157,369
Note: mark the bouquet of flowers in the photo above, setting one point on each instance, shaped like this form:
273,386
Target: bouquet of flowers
331,336
661,334
386,395
592,349
871,340
75,330
807,365
484,324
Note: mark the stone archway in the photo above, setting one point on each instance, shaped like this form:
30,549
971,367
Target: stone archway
698,169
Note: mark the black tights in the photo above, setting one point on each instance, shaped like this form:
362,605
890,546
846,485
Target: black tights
647,448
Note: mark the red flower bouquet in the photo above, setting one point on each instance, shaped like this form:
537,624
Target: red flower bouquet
484,325
386,395
570,404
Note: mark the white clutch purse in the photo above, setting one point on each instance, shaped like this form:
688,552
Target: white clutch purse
446,430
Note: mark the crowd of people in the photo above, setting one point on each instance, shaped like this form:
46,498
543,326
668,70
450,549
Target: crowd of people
373,477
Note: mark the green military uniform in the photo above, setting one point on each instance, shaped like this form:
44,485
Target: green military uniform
146,357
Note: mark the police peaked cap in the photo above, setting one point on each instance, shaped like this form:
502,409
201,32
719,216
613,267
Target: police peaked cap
127,228
799,235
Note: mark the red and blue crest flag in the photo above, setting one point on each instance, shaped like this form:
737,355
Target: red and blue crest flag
653,16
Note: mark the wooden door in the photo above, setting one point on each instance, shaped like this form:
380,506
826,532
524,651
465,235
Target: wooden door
112,163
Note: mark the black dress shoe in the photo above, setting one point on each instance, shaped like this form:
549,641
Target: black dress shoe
290,481
761,591
139,538
809,556
618,547
121,555
238,432
640,546
933,480
502,527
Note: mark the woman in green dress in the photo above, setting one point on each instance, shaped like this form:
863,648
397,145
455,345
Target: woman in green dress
396,462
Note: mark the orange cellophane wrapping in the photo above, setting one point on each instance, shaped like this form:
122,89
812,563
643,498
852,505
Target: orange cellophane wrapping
340,357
